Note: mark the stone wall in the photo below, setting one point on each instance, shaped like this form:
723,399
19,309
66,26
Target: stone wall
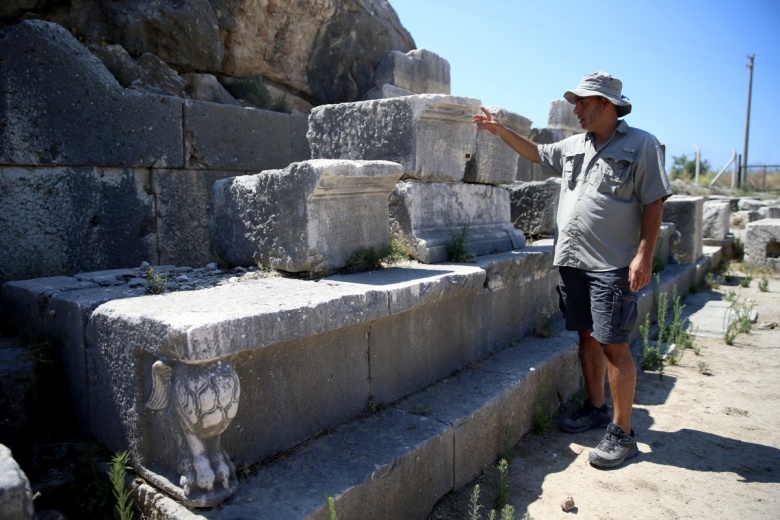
95,176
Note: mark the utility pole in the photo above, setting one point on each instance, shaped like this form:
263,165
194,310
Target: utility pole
743,175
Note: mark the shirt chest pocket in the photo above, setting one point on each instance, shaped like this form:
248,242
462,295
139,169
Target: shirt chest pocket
616,176
572,165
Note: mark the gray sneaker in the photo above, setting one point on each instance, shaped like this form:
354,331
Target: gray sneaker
587,418
616,447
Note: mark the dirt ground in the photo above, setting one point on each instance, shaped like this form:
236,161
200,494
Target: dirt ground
708,430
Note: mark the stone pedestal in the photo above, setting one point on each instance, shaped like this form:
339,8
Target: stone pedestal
311,216
686,214
431,216
432,136
663,244
715,219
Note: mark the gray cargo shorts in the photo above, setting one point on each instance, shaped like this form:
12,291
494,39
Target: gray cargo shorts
598,300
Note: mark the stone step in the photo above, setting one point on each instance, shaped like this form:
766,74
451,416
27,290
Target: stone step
398,462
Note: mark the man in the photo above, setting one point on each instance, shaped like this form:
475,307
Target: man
609,214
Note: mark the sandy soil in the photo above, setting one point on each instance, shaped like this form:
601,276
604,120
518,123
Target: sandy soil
708,430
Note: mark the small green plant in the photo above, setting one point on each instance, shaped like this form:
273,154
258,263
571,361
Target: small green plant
739,320
364,259
704,368
763,284
543,416
697,350
651,357
330,508
474,506
508,512
745,282
543,321
124,503
507,440
731,296
456,249
662,306
155,282
738,250
397,253
711,281
502,485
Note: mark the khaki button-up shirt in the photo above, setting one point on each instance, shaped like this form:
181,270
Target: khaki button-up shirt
603,194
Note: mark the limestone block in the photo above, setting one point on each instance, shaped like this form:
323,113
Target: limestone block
420,71
663,244
63,107
716,215
494,162
561,117
311,216
431,216
762,243
225,137
386,91
686,215
15,493
529,171
747,204
206,87
431,135
773,212
184,205
58,220
535,205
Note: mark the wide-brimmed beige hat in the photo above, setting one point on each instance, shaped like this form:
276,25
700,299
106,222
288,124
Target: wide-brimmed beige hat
601,84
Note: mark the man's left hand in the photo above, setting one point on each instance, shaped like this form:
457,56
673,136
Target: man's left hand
640,271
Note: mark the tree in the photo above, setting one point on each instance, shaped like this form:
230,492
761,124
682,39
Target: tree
685,169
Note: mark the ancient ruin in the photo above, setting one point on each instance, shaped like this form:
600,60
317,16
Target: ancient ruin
187,255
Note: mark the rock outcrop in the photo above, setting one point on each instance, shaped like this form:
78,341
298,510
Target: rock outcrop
303,51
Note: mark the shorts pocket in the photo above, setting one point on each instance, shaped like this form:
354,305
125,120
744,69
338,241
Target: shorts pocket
624,310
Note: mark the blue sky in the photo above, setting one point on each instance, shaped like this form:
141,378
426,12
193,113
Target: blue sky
683,63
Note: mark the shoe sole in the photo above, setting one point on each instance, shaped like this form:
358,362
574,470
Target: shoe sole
607,463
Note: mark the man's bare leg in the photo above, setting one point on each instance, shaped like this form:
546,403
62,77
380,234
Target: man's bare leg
622,383
594,367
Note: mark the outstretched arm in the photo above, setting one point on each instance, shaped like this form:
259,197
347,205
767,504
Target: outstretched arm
641,269
517,142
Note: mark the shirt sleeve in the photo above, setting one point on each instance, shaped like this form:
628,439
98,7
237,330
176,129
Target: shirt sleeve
550,158
650,180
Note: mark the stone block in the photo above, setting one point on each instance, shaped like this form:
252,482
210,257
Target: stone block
432,136
561,117
686,215
663,244
16,501
726,244
18,392
431,216
494,162
311,216
386,91
419,71
716,215
762,243
529,171
184,205
65,220
226,137
748,204
63,107
535,205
